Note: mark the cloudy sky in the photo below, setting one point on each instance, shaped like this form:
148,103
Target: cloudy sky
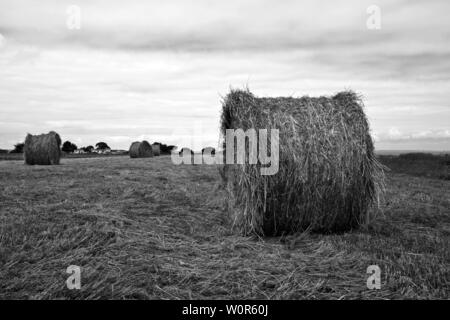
157,70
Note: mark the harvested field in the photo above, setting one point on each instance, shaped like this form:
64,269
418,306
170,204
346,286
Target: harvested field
147,229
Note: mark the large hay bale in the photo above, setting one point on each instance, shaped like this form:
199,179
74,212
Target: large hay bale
44,149
328,176
141,150
156,148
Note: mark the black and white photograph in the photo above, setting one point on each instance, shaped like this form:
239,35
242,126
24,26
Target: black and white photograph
224,155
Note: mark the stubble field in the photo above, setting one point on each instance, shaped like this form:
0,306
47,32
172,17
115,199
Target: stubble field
148,229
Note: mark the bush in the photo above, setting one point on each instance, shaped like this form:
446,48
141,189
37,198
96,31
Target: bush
18,148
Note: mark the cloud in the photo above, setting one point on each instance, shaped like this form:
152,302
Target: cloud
394,134
150,68
232,25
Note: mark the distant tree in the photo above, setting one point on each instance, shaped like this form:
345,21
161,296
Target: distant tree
69,147
18,148
102,146
171,148
88,149
165,149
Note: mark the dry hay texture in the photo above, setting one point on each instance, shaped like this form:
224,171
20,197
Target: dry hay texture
141,150
328,176
44,149
156,148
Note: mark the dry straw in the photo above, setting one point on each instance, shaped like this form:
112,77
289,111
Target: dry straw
141,150
42,149
328,175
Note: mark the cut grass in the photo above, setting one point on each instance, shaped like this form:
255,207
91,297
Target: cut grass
147,229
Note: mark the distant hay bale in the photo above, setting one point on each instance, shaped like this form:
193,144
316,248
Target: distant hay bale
156,148
188,155
186,151
328,175
141,150
209,151
44,149
208,155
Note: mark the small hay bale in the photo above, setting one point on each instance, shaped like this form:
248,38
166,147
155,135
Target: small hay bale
156,148
208,155
209,151
141,150
188,155
186,151
43,149
328,175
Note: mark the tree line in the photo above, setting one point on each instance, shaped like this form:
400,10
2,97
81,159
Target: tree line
70,147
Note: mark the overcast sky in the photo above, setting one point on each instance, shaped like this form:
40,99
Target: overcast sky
157,70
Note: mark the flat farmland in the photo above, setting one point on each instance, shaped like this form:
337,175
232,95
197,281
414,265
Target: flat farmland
149,229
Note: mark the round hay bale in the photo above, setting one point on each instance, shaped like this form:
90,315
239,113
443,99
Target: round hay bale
209,151
188,155
44,149
134,149
141,150
208,155
156,148
328,175
186,151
